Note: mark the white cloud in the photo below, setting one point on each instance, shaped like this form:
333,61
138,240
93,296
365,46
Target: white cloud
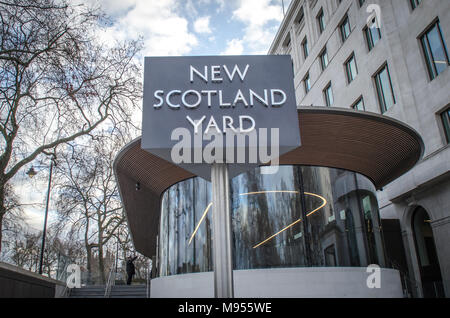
201,25
221,4
234,47
164,31
257,16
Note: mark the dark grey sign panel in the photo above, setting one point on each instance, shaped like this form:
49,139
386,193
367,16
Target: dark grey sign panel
221,95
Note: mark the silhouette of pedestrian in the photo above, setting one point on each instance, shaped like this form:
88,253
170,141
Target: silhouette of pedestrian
130,269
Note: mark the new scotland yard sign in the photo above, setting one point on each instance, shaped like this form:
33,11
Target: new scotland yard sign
239,110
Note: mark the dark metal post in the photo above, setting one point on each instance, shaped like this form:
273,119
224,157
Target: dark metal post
41,259
222,242
363,220
305,219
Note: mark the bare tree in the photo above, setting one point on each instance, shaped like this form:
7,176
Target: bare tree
88,196
58,81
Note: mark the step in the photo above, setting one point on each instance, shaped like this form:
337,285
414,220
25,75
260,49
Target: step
120,291
95,291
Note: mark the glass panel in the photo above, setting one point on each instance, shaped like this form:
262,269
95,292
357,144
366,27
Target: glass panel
345,29
324,59
269,230
262,206
307,83
359,105
368,38
384,89
329,96
372,227
437,49
375,35
305,48
321,21
414,3
428,58
351,69
182,207
446,122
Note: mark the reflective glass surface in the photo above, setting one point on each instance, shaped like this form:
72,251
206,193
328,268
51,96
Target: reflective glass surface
299,216
384,89
435,51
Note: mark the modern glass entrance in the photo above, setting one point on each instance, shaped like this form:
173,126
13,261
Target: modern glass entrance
298,217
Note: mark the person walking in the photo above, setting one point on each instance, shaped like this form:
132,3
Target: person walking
130,269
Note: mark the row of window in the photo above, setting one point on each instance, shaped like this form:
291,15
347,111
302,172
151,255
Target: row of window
434,48
414,3
434,51
385,94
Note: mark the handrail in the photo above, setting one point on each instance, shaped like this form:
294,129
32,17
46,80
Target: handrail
406,279
111,281
149,277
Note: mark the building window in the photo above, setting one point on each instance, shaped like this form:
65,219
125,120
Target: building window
372,35
359,105
345,29
445,116
328,94
305,48
307,83
321,21
385,91
415,3
361,2
324,59
287,42
300,16
351,68
435,50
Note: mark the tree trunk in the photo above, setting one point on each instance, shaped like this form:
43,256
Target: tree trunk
1,224
88,263
2,211
101,264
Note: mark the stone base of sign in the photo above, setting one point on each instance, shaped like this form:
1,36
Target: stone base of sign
323,282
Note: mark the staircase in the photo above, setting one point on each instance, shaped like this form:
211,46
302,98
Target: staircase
128,291
117,291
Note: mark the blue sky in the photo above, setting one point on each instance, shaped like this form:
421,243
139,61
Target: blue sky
195,27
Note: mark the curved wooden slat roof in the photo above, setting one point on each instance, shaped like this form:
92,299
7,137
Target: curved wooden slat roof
376,146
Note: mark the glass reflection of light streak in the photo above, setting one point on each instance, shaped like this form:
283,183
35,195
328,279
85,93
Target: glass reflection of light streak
324,202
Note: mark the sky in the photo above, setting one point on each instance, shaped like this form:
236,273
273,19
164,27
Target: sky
173,28
195,27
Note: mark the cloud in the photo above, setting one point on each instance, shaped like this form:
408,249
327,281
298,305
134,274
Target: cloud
201,25
112,7
261,19
234,47
164,31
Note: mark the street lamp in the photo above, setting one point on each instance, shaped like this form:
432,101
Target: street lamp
31,173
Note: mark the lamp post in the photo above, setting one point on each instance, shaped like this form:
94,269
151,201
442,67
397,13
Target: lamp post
31,173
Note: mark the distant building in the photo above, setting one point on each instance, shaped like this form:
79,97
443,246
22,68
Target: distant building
388,57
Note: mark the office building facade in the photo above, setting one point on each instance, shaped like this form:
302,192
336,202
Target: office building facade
388,57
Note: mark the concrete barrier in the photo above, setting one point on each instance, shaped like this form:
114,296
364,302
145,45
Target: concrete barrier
16,282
